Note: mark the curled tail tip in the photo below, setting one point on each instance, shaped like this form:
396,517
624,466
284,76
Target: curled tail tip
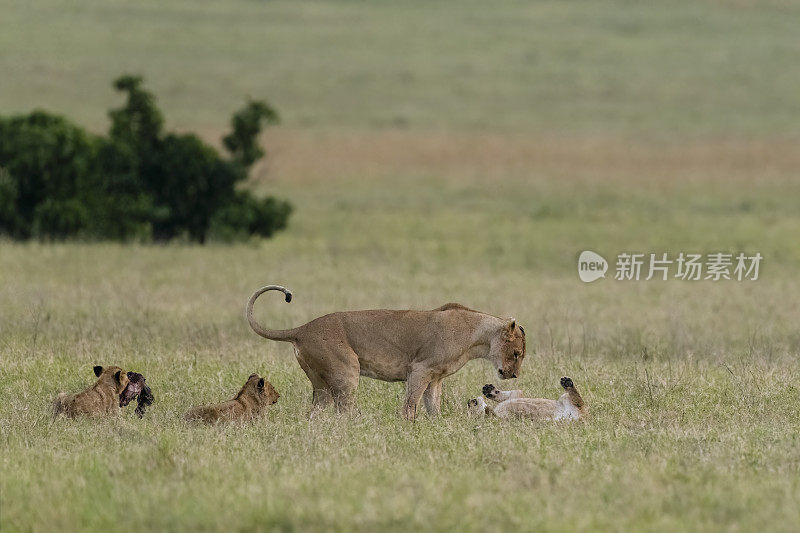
288,296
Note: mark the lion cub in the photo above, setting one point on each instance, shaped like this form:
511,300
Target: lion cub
570,406
256,395
102,398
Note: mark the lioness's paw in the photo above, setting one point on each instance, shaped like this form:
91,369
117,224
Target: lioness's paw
566,382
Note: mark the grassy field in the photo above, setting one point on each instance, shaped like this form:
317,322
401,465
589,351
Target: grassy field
580,67
471,159
692,386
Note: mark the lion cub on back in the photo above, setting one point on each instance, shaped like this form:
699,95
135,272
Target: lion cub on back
570,406
100,399
254,397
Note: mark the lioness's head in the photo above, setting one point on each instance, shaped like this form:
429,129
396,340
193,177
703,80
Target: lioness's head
508,350
112,376
261,389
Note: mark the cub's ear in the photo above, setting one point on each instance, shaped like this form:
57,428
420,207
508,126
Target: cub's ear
260,384
98,370
510,325
253,375
522,330
118,375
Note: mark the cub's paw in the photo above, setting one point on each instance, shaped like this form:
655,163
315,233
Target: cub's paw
567,382
489,390
472,403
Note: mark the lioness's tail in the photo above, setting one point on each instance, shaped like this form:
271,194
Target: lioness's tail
273,334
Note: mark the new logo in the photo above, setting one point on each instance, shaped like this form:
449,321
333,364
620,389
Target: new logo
591,266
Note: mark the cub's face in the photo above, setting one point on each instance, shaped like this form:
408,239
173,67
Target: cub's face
477,406
268,392
113,375
512,350
264,389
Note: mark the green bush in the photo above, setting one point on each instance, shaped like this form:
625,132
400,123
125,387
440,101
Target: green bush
58,219
57,181
192,183
9,217
248,215
45,159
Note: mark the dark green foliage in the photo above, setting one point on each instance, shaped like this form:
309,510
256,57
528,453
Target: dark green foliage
57,181
242,142
47,162
248,215
192,183
60,218
138,123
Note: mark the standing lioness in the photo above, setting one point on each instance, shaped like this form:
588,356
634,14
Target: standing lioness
418,347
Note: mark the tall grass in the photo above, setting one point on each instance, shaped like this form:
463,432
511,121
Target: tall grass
691,385
435,152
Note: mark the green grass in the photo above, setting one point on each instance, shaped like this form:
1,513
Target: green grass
435,152
692,386
578,67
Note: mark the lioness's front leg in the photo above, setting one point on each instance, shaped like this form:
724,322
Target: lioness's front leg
416,384
433,397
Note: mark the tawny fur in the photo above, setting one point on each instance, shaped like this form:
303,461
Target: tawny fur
418,347
252,400
570,406
100,399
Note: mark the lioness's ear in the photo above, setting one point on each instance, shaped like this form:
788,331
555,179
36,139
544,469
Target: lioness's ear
98,370
253,375
511,324
118,376
260,384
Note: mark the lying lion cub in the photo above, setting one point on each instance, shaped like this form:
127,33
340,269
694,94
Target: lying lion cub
100,399
570,406
256,395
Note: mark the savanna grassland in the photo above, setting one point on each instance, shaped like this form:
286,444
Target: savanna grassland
435,152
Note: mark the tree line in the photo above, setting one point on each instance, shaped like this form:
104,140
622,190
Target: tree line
58,181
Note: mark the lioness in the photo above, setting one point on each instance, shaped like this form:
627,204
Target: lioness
253,398
418,347
102,398
570,406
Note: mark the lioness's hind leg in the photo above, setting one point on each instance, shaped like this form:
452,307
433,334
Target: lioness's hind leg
321,395
344,380
338,368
